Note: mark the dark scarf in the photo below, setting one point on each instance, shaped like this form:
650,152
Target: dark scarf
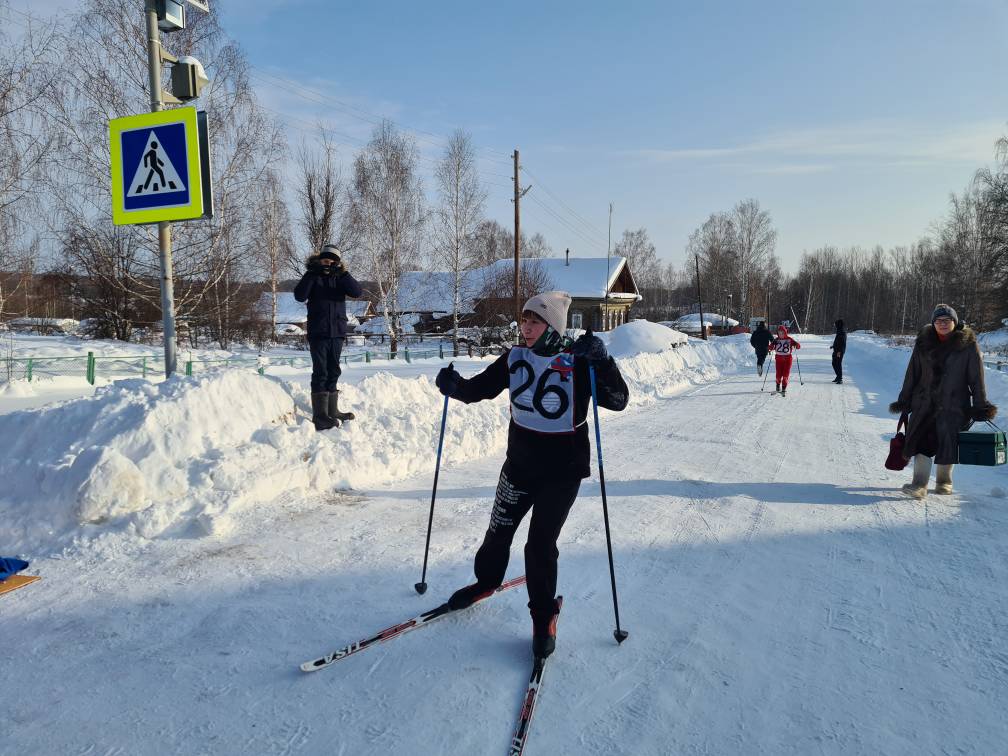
550,343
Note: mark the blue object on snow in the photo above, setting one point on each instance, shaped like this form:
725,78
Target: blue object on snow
10,565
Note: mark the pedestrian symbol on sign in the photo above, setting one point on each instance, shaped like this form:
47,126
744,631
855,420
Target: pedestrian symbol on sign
155,173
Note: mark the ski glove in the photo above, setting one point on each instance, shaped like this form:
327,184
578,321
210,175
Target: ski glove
447,380
590,347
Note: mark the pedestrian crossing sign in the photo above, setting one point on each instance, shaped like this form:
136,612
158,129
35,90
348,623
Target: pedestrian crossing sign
159,167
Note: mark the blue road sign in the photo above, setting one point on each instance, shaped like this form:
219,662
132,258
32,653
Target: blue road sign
157,167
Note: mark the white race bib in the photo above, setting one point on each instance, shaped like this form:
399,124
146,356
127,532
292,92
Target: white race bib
542,390
783,347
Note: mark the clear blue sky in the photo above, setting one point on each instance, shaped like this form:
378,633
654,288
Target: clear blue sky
851,121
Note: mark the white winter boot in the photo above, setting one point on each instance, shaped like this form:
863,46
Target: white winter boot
917,488
943,479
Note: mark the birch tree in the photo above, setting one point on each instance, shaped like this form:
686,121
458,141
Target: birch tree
457,218
388,204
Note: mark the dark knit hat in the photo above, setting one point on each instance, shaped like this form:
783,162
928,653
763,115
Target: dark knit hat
944,311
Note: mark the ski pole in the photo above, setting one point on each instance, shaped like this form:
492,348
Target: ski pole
421,587
766,372
618,634
798,365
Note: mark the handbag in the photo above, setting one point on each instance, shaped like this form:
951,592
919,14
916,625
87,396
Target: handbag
982,448
896,460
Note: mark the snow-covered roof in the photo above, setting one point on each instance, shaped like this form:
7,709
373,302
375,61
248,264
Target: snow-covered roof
710,319
584,277
378,324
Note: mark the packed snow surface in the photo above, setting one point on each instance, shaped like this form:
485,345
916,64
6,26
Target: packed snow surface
197,541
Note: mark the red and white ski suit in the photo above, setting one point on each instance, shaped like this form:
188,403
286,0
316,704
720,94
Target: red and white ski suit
782,346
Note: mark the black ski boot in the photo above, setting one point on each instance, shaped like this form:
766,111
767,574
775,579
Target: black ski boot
778,388
320,411
544,629
469,595
334,410
783,391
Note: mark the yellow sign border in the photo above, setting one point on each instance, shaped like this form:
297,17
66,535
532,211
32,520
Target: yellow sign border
186,116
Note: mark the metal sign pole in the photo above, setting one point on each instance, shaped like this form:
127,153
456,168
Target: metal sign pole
164,227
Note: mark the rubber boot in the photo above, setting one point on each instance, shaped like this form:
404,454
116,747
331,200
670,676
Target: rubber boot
544,629
320,411
943,479
917,488
334,410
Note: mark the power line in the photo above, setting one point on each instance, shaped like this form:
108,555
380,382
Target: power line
563,204
567,224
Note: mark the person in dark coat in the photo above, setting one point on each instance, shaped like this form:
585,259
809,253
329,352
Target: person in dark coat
839,346
325,286
943,391
760,341
548,449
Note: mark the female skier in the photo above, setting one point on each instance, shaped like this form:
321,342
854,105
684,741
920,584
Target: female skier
547,453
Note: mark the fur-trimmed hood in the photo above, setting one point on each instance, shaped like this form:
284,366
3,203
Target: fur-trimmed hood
961,338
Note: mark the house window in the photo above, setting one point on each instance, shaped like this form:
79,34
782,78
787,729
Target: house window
576,320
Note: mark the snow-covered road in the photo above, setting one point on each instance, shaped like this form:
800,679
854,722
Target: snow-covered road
781,597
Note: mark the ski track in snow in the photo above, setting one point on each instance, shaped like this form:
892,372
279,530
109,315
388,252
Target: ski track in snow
781,595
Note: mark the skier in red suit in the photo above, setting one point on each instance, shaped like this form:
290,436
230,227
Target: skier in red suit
782,346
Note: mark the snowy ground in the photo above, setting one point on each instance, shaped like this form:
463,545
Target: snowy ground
781,596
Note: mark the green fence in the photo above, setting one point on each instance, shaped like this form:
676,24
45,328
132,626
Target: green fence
91,367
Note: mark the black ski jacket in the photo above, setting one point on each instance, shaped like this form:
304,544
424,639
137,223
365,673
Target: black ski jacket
532,455
326,296
840,340
760,339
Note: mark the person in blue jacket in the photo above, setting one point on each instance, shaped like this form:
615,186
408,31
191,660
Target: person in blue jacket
548,450
325,286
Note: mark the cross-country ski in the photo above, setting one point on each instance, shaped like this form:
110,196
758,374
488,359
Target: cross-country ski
395,631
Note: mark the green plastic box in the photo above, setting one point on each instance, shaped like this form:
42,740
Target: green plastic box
986,447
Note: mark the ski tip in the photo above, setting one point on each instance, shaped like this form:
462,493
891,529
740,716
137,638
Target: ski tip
421,588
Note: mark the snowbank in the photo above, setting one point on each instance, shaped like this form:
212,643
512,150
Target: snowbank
185,456
16,389
994,342
642,336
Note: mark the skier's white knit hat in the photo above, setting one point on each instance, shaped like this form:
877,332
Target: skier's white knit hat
552,307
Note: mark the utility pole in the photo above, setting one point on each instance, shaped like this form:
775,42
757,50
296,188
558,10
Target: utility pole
605,303
703,331
517,240
164,227
518,194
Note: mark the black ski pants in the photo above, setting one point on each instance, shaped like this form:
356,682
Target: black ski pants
550,502
325,356
761,356
838,364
